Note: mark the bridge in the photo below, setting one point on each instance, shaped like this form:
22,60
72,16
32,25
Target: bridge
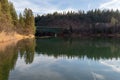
48,31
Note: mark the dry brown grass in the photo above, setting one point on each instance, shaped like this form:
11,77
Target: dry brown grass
6,37
12,36
11,39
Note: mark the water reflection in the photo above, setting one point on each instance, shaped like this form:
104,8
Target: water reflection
9,52
7,59
26,49
61,59
91,48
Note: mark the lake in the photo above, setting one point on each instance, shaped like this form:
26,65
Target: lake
60,59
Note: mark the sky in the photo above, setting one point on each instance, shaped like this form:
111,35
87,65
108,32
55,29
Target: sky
50,6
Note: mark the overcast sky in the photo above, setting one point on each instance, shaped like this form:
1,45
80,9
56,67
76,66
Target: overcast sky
50,6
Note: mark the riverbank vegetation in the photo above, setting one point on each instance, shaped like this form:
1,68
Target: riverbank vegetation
11,23
93,22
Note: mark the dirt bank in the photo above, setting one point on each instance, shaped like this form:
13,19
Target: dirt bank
4,37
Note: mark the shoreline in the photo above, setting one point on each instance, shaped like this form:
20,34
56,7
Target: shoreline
5,37
74,35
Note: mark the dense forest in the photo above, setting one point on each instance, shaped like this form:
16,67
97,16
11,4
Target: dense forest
11,22
91,22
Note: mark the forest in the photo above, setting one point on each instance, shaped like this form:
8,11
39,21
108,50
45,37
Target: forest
92,22
11,22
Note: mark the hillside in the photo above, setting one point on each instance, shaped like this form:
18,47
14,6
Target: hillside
91,22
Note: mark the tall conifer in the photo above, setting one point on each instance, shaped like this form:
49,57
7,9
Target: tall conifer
13,14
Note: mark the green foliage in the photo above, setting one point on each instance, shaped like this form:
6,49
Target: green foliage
0,17
26,22
5,19
13,14
9,20
0,9
5,9
29,21
5,6
21,20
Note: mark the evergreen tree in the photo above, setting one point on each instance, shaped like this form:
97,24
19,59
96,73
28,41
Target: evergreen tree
13,14
21,21
0,10
5,20
9,19
5,9
0,18
5,6
29,21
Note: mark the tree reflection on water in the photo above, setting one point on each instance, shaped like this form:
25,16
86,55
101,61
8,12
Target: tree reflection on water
93,49
9,54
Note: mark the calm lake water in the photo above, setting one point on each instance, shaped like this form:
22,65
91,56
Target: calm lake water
61,59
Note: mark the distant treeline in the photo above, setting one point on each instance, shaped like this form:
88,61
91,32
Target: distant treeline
93,21
10,22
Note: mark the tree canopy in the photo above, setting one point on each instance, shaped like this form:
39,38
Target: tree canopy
91,16
11,22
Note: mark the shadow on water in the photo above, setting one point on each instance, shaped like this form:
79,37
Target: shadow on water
58,47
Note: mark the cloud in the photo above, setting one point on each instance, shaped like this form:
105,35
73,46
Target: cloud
50,6
114,65
39,6
112,4
98,76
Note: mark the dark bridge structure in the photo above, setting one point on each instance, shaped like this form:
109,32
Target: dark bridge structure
50,31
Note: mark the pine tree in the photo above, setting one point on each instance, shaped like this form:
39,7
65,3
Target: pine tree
32,21
5,9
5,6
9,18
13,14
0,10
21,21
0,18
29,21
6,20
